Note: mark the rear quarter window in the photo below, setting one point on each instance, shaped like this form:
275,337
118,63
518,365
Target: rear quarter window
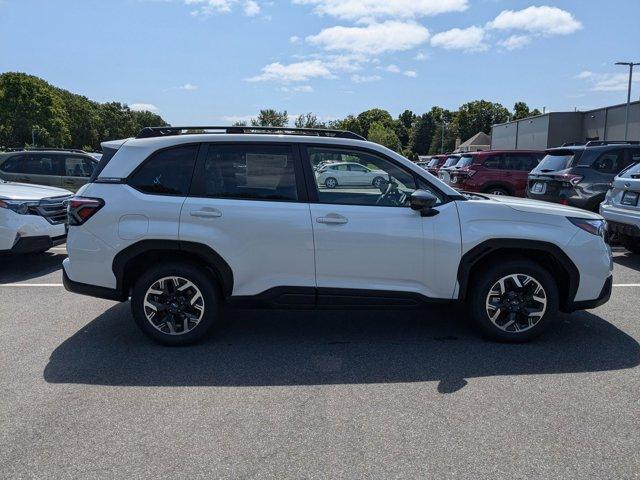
167,172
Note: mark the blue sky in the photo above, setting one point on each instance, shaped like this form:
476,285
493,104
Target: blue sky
215,61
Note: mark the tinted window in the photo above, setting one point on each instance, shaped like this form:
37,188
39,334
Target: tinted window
383,183
41,164
250,172
496,161
75,166
464,162
635,156
167,172
610,162
13,164
520,162
554,162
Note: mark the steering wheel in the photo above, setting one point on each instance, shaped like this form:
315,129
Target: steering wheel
389,189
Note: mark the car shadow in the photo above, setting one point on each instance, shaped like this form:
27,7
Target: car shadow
628,259
18,268
271,348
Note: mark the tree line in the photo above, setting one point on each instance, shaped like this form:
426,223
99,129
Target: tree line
34,112
410,134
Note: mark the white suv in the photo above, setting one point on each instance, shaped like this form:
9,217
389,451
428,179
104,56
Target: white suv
621,206
181,222
344,174
32,217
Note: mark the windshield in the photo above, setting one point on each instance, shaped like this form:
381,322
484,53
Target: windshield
555,162
464,162
433,163
450,162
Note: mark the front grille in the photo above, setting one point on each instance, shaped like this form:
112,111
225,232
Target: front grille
54,210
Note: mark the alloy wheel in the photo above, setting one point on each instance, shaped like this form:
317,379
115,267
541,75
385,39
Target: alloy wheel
174,305
516,303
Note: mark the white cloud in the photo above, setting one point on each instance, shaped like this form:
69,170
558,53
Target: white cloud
391,68
294,72
543,20
410,73
365,78
298,89
421,56
294,39
606,82
370,10
188,87
374,39
143,107
468,39
515,42
251,8
206,8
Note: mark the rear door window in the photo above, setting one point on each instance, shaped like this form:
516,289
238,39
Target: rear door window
251,172
610,162
167,172
77,166
495,162
13,164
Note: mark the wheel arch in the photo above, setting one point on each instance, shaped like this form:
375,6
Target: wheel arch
497,184
133,260
546,254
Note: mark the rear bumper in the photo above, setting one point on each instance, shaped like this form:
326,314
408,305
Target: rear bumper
605,295
91,290
621,221
35,244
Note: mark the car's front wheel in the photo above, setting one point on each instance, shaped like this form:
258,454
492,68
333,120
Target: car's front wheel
378,182
514,301
331,182
175,304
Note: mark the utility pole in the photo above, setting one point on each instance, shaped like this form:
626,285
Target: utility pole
626,120
444,124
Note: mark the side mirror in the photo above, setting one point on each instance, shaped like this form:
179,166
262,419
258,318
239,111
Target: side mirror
423,201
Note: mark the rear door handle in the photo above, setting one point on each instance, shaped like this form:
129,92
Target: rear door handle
333,219
206,213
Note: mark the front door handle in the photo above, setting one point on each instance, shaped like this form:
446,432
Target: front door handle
332,219
206,213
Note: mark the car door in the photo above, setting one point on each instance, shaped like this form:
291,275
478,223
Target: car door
368,242
76,171
248,203
39,169
492,174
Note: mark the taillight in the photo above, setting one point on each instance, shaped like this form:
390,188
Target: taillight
81,209
569,180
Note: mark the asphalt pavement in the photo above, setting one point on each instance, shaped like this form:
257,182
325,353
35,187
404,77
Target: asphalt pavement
312,394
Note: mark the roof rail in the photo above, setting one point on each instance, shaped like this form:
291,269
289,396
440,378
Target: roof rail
596,143
150,132
573,144
45,149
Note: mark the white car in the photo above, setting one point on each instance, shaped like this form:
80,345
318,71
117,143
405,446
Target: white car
183,222
342,174
32,217
621,208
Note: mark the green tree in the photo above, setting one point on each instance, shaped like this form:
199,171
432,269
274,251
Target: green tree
478,116
308,120
375,115
384,135
421,133
402,126
350,124
521,110
271,118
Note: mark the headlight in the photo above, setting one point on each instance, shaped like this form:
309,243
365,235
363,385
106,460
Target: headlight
21,207
595,227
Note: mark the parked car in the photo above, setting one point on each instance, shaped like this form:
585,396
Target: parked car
621,206
436,163
348,174
423,165
174,223
580,175
502,172
445,171
32,217
68,169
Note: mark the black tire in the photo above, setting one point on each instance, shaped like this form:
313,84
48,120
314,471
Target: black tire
631,243
481,286
200,278
331,182
497,191
377,182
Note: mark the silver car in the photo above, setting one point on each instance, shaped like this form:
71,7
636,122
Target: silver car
621,207
69,169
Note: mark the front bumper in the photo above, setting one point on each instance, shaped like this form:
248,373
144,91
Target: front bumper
36,244
605,295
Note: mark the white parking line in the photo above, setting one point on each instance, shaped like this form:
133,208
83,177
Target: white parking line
626,284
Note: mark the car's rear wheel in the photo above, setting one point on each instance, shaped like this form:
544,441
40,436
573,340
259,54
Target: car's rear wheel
631,243
331,182
496,191
175,304
513,302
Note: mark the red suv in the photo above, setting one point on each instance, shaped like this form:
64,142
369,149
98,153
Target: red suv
498,172
436,163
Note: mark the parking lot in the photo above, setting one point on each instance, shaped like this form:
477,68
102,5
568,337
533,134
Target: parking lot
317,394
